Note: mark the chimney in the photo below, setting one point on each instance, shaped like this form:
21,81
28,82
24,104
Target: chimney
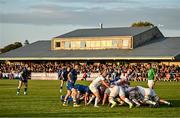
101,25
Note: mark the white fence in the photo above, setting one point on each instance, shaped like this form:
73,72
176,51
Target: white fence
47,76
54,76
44,76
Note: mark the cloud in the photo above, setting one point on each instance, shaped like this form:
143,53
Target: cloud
90,13
57,14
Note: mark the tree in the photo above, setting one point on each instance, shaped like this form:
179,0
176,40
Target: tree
142,24
26,42
11,47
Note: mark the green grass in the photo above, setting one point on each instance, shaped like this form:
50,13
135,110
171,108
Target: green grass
43,101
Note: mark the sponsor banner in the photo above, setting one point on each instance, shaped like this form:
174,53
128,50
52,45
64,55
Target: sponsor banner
48,76
10,75
90,77
44,76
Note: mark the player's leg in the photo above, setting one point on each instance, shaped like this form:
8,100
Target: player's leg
106,94
126,100
151,84
19,87
97,99
135,101
104,98
86,98
122,96
113,93
165,102
157,99
25,87
61,85
133,96
74,95
148,95
66,97
78,94
95,91
91,99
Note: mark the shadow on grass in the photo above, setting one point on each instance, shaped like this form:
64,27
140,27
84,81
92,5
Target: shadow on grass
175,104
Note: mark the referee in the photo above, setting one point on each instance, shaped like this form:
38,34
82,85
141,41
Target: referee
151,76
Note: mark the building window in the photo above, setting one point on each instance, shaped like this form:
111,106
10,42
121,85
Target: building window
114,43
109,44
125,43
67,45
83,44
106,44
58,44
75,44
88,44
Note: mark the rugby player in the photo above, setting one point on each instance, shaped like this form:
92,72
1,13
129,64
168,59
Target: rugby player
72,77
23,79
96,83
63,76
118,91
151,76
149,97
83,91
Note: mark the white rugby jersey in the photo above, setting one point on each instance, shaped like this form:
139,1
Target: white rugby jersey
97,82
141,90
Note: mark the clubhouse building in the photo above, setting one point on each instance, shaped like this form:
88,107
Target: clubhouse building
102,44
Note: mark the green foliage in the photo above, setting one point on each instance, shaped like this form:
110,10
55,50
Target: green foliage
142,24
43,101
11,47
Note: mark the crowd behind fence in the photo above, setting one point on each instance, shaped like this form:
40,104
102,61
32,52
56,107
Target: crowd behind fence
132,71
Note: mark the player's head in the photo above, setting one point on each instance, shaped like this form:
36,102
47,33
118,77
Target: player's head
104,72
76,66
68,69
149,65
26,65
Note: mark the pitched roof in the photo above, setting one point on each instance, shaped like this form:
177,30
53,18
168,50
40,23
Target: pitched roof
98,32
158,49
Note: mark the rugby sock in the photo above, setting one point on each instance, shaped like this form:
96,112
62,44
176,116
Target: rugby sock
91,99
136,102
25,89
18,89
74,101
112,101
61,87
150,102
127,101
64,101
96,101
165,102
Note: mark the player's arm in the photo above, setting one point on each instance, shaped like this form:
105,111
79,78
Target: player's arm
69,77
105,83
86,98
78,94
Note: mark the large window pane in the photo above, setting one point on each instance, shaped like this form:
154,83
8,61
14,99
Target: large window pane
75,44
83,44
93,44
103,44
88,44
114,43
109,43
125,43
67,45
98,44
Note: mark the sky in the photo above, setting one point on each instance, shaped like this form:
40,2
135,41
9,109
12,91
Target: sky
35,20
